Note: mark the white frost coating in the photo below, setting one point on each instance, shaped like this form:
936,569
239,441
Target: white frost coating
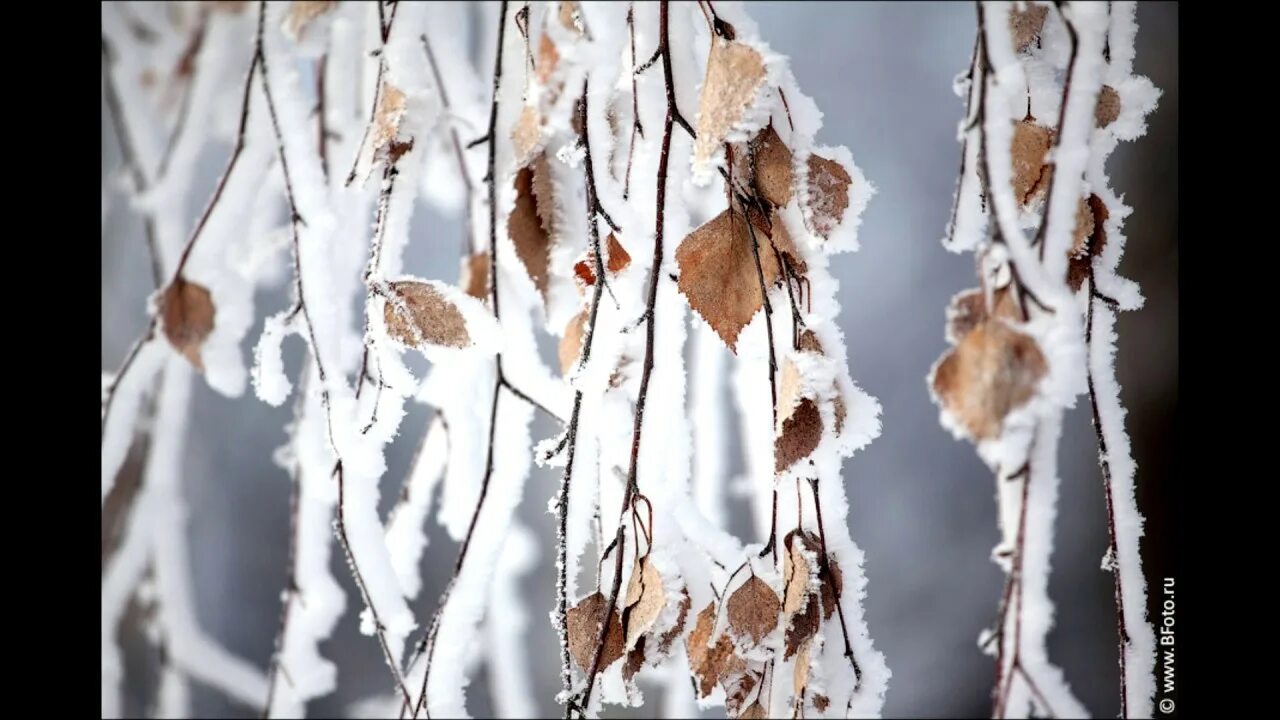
507,658
1071,154
708,422
1075,343
120,425
360,456
269,380
406,528
1140,651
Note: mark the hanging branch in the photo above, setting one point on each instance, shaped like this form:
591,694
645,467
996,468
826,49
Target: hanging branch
655,275
571,435
296,219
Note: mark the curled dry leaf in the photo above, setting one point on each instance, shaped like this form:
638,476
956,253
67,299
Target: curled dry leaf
774,178
798,435
186,313
968,309
1108,107
710,663
528,232
619,260
718,274
738,685
800,608
583,622
785,245
645,601
1089,243
832,581
828,193
386,121
735,73
753,610
1025,25
635,660
1031,144
682,614
754,711
800,676
418,313
994,370
820,702
526,136
548,58
809,342
571,343
302,13
475,275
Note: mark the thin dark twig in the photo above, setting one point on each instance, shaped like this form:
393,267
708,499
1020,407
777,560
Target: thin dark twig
562,504
291,578
655,276
1104,461
149,333
429,645
1062,118
825,565
340,520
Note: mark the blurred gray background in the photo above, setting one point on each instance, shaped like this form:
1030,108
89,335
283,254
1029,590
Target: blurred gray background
922,504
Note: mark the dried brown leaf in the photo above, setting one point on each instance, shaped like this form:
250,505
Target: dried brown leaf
619,260
526,136
968,309
302,13
1025,25
524,226
795,574
774,177
738,684
831,580
798,435
784,244
387,117
718,274
635,660
1086,248
427,317
548,58
809,342
828,193
187,314
682,614
1108,107
571,343
645,601
753,610
735,73
475,275
993,370
583,622
1031,143
820,702
800,675
754,711
697,643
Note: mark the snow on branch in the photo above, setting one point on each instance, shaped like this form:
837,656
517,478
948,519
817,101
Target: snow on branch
1049,94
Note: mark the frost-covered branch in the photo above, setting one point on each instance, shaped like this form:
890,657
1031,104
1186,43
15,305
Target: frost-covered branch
1048,98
